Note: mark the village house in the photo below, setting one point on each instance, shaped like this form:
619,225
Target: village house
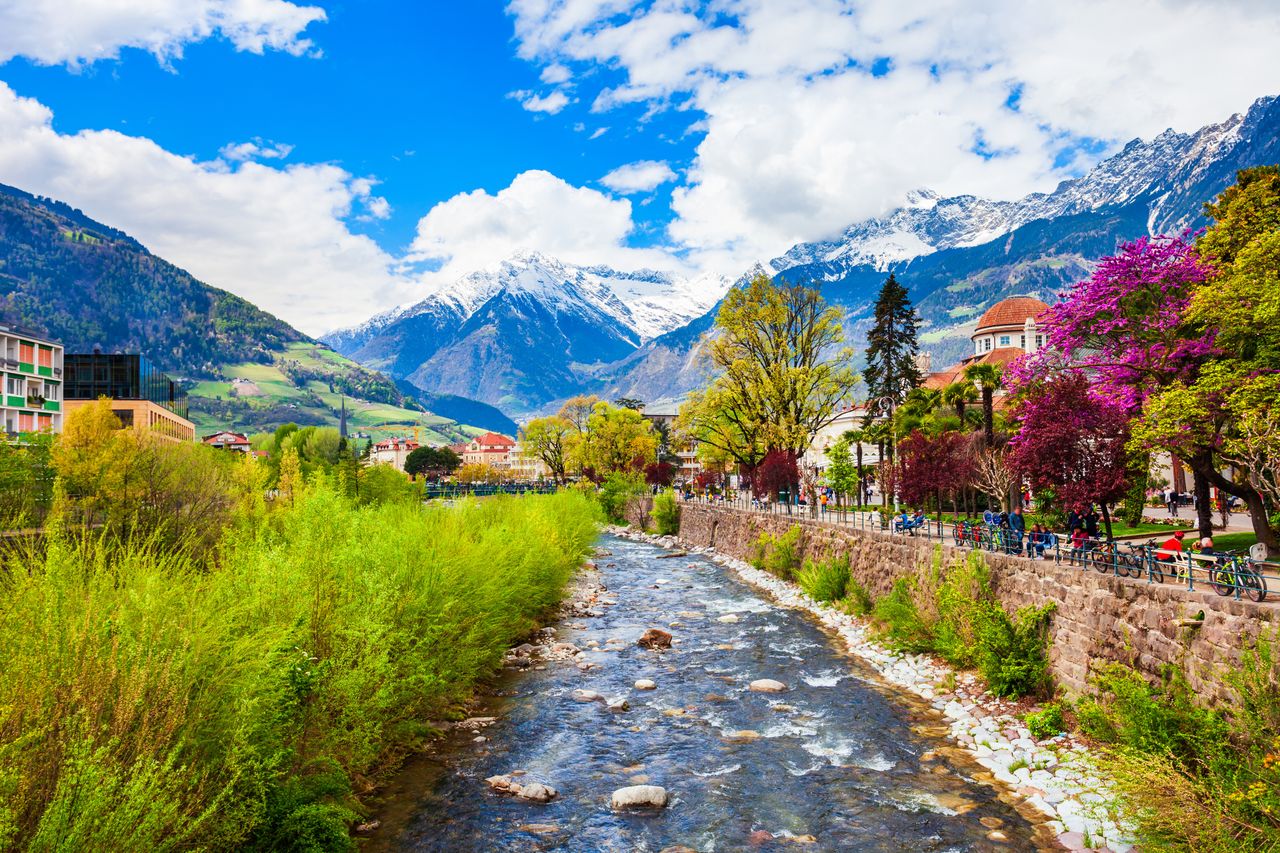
489,449
392,451
227,440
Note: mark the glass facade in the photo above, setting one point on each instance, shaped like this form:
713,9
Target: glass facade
120,377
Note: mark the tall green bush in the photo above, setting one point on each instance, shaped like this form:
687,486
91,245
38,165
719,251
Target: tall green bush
153,703
666,513
825,580
619,488
781,555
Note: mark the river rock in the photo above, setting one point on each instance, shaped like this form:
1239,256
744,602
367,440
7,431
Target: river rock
619,705
639,796
565,648
645,684
655,638
728,618
539,828
586,696
536,792
767,685
742,735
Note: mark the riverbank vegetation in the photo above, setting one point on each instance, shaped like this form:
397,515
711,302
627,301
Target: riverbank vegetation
165,691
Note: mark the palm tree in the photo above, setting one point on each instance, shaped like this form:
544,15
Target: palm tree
989,378
959,393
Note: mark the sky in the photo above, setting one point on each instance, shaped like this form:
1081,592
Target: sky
332,159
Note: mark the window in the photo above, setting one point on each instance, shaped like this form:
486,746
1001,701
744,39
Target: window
51,391
1004,340
1039,341
987,343
15,387
26,353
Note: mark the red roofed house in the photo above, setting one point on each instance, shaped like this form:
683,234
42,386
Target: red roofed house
1005,331
392,451
489,449
226,440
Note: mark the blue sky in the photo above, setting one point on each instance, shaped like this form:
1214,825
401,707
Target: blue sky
328,159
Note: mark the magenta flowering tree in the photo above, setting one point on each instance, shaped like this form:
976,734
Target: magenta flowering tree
1126,324
1072,440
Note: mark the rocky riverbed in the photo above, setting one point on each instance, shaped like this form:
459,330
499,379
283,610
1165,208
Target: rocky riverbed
1055,776
753,729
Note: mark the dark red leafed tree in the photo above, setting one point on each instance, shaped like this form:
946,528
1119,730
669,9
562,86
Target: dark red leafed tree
1072,439
932,466
777,472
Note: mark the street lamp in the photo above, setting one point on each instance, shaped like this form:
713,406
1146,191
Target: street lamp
889,401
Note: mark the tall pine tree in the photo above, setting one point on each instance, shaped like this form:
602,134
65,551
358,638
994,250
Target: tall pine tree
891,351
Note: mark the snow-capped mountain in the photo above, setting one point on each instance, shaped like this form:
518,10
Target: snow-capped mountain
1161,170
496,333
958,256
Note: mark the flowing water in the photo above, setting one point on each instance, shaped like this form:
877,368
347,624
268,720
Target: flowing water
838,757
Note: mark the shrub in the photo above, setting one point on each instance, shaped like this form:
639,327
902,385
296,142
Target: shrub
857,600
783,560
1046,722
1012,652
666,513
619,488
152,702
904,628
825,580
959,597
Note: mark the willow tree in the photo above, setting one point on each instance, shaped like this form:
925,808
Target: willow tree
781,372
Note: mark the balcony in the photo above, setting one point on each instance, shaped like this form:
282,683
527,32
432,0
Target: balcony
35,401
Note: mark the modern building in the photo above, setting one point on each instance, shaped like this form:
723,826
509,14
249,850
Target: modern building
1005,332
33,382
225,440
141,396
489,449
663,415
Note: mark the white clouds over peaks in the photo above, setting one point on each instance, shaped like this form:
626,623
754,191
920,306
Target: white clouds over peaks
642,176
276,236
802,139
537,211
78,32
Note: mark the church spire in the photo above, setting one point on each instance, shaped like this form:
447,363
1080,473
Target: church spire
342,419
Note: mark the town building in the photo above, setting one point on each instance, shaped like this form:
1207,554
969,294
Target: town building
663,417
33,382
226,440
392,451
141,395
523,467
489,449
1005,332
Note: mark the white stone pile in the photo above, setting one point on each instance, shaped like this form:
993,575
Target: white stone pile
1056,776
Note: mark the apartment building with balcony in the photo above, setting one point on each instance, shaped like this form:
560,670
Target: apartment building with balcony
33,382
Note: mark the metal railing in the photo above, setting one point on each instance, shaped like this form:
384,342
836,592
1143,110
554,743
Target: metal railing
1227,573
482,490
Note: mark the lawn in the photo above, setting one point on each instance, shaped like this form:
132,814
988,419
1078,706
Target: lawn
1238,541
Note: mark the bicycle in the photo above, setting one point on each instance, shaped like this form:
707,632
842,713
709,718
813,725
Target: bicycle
1107,556
1232,572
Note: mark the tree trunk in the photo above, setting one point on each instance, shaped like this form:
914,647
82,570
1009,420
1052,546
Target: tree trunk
1106,518
1204,512
1202,467
862,491
989,415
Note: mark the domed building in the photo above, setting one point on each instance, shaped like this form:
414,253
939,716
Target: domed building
1005,331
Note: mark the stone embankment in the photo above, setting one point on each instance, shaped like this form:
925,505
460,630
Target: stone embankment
1099,617
1054,776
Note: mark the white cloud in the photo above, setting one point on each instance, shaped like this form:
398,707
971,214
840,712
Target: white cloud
598,132
550,103
802,140
78,32
538,211
555,73
641,176
274,235
258,149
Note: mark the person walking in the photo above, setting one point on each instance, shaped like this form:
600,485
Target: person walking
1017,529
1172,501
1091,523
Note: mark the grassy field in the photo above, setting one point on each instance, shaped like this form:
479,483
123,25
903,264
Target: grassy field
215,407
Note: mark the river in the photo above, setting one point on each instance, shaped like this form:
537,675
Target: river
841,761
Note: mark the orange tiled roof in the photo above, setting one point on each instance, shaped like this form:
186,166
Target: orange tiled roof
1002,356
1013,311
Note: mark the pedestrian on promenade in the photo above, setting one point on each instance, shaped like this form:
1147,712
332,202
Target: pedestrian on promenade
1017,529
1091,523
1172,501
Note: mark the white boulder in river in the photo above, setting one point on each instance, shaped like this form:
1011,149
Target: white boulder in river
639,796
645,684
767,685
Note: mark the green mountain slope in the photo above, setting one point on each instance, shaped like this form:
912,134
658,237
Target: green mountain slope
84,284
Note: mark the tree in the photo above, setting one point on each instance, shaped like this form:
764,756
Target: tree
891,369
781,370
1072,439
576,410
431,461
475,473
291,484
777,473
549,440
958,395
629,403
992,473
990,378
931,466
617,439
841,473
723,433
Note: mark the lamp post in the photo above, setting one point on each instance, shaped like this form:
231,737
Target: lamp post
889,401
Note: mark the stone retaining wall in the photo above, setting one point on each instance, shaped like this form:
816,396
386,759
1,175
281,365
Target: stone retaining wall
1099,617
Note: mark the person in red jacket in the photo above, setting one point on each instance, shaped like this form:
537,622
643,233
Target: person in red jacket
1172,547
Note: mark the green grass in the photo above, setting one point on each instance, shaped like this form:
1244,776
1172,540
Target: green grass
1239,541
151,705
